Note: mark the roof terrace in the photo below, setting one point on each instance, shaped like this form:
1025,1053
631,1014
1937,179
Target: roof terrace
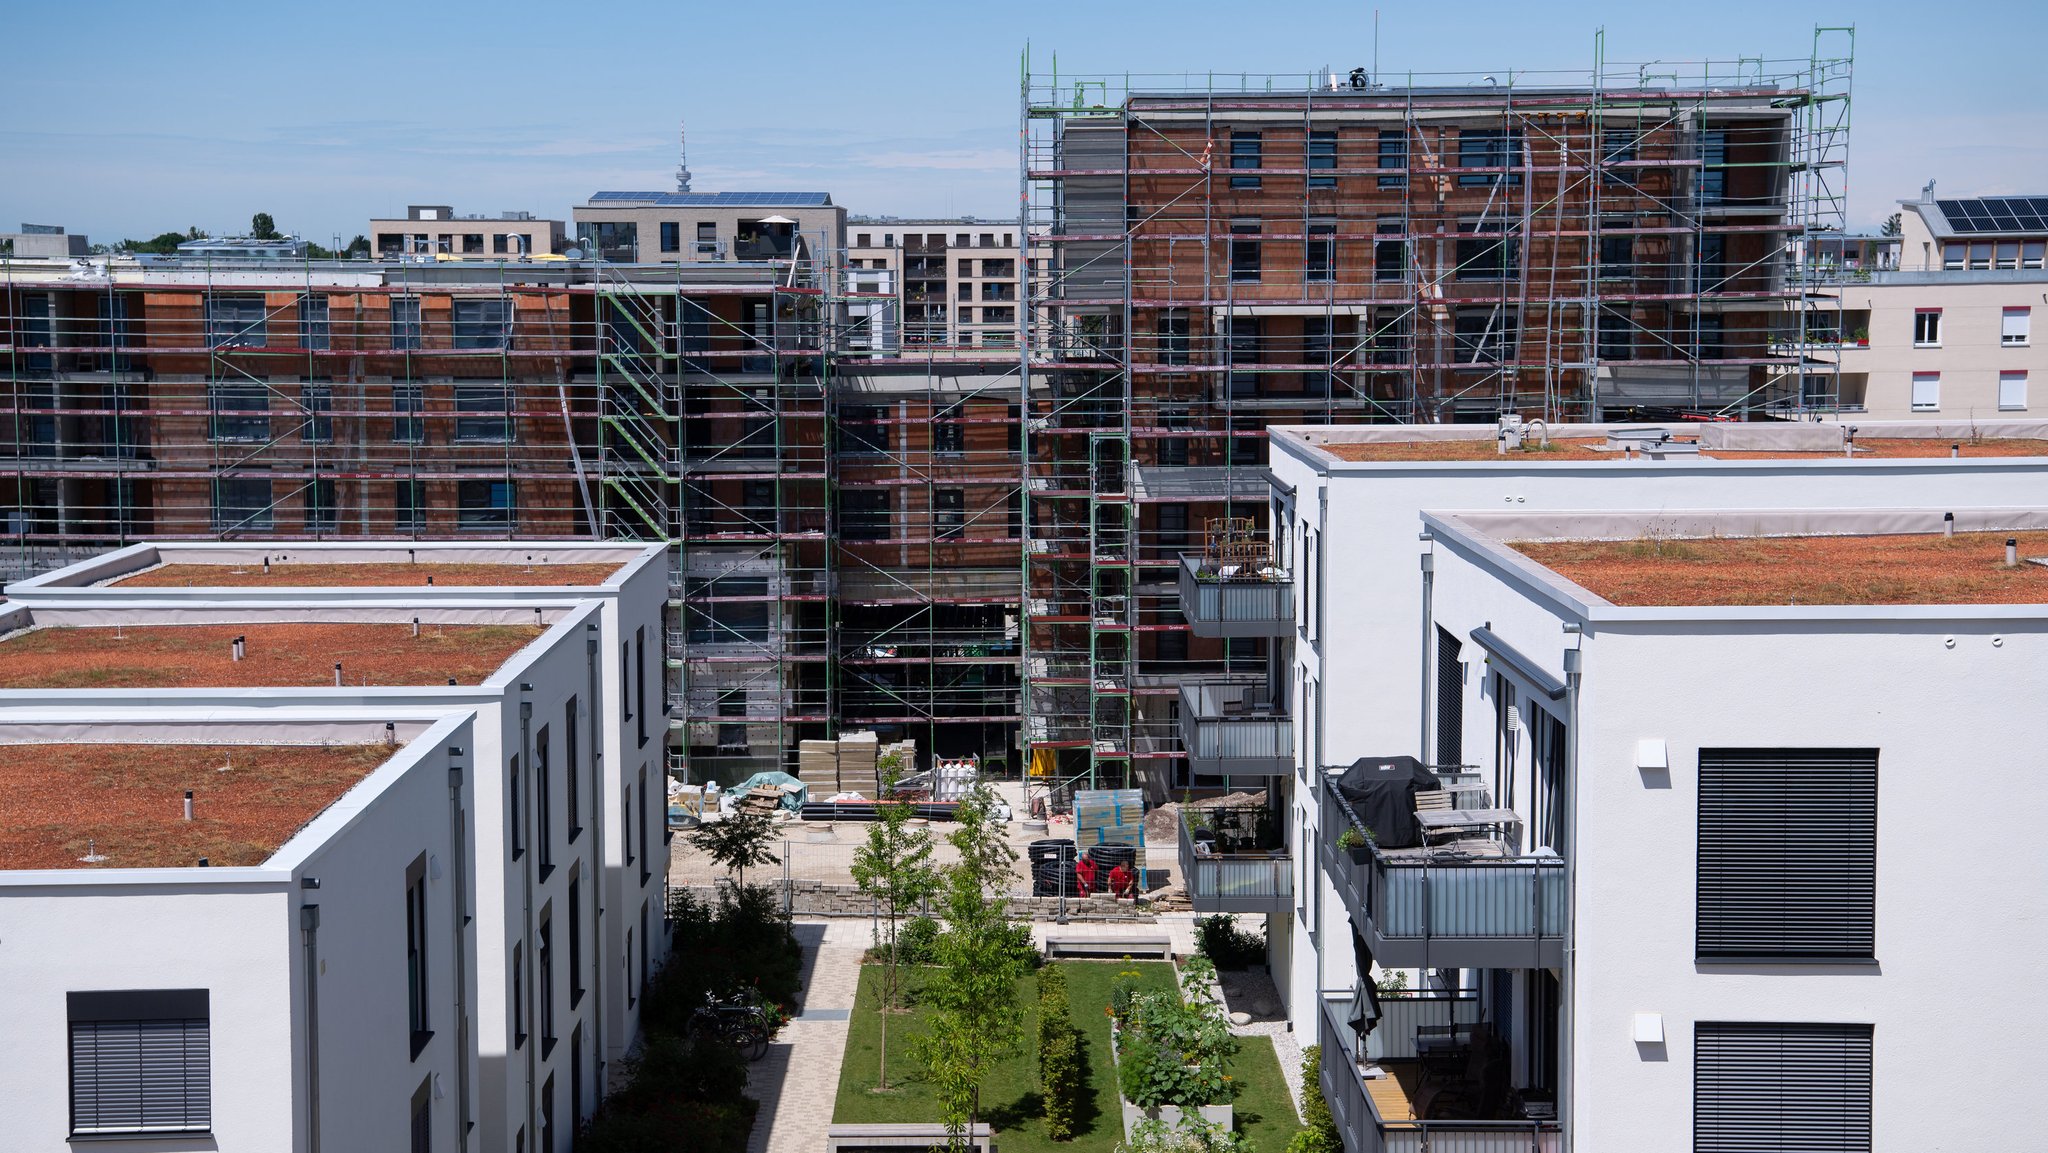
1580,449
115,806
370,574
282,654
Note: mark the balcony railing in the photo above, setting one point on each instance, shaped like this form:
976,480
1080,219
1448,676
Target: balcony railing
1234,730
1224,878
1364,1130
1430,908
1234,606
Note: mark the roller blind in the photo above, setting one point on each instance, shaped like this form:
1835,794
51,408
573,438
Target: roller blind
140,1076
1766,1088
1787,854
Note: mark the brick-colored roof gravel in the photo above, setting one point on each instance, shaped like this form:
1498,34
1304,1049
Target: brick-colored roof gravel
359,575
283,654
1812,570
125,802
1584,449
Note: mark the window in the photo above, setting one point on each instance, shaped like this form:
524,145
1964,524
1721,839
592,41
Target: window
1390,250
645,872
948,434
242,504
141,1061
484,504
321,513
2031,252
862,428
1170,646
318,401
1322,156
409,505
707,232
1953,255
547,1113
1450,699
575,940
408,401
423,1117
516,809
1927,328
419,1022
1762,1087
613,239
501,244
543,807
1173,525
2008,254
865,514
632,995
1787,854
864,240
518,996
1173,338
572,756
1616,338
1926,392
640,985
949,518
1244,250
546,986
1483,335
2014,327
1713,178
1246,346
241,410
1617,152
626,824
1244,153
1488,255
313,330
640,680
1321,252
1713,329
235,321
725,610
1496,148
405,323
482,323
1711,270
671,236
483,413
1393,155
2012,391
1617,257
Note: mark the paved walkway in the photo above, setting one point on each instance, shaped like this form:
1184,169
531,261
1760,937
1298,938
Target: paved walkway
798,1080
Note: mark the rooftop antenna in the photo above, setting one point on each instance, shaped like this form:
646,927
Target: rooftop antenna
682,158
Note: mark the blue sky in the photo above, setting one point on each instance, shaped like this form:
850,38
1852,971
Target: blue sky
126,119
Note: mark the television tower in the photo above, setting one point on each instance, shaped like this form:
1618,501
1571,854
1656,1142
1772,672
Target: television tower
682,159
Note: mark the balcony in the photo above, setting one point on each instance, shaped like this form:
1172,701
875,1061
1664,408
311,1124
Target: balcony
1235,603
1232,860
1235,731
1445,906
1422,1106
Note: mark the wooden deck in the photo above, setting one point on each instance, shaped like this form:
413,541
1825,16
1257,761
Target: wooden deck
1393,1095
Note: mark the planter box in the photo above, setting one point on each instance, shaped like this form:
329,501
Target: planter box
1222,1115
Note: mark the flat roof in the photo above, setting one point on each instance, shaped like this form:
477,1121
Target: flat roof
278,654
1894,569
125,802
1594,449
241,574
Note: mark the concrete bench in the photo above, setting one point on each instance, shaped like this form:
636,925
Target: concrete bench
1158,947
900,1137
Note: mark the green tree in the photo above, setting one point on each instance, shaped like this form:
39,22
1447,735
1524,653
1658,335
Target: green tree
1893,225
359,247
262,227
894,868
974,1020
739,842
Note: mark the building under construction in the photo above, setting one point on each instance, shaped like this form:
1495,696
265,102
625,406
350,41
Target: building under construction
976,547
1340,247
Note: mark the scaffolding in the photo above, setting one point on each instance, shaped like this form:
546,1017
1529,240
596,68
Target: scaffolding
1333,248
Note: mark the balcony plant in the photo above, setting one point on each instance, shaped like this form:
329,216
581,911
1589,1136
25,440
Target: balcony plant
1357,842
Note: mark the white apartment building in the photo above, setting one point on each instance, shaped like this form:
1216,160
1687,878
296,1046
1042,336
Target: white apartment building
700,227
1949,333
554,646
1724,797
310,985
1357,659
436,232
959,277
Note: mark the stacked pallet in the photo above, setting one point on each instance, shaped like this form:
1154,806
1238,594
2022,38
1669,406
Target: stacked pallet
817,766
846,765
857,754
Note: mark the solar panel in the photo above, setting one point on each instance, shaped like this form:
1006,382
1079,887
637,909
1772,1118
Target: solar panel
720,199
1996,214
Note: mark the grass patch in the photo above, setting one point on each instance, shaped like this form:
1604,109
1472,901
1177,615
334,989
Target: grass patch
1010,1101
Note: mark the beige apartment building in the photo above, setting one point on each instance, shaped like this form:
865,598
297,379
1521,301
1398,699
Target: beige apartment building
1949,332
434,231
703,227
957,277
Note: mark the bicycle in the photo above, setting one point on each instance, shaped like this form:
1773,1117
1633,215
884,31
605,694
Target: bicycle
736,1022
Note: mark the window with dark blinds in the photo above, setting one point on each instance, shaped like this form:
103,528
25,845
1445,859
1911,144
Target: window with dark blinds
1788,854
1763,1088
1450,700
141,1062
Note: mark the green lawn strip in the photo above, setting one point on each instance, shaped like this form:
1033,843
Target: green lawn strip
1010,1099
1265,1112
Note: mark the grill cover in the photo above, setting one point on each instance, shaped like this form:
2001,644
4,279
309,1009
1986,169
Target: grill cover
1381,790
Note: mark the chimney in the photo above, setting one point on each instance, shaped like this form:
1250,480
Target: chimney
188,804
238,649
266,566
1954,451
2012,551
390,733
337,674
1948,526
415,626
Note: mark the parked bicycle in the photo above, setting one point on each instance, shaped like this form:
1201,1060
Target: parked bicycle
737,1021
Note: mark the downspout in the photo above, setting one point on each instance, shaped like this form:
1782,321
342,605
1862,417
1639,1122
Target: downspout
1565,1014
526,889
459,854
1422,752
309,935
598,804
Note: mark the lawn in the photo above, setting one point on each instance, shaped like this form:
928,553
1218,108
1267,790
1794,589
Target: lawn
1010,1100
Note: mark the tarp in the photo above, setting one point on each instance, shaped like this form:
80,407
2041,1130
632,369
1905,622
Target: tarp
793,800
1381,791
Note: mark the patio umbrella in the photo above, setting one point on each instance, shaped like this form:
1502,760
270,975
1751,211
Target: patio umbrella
1365,996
